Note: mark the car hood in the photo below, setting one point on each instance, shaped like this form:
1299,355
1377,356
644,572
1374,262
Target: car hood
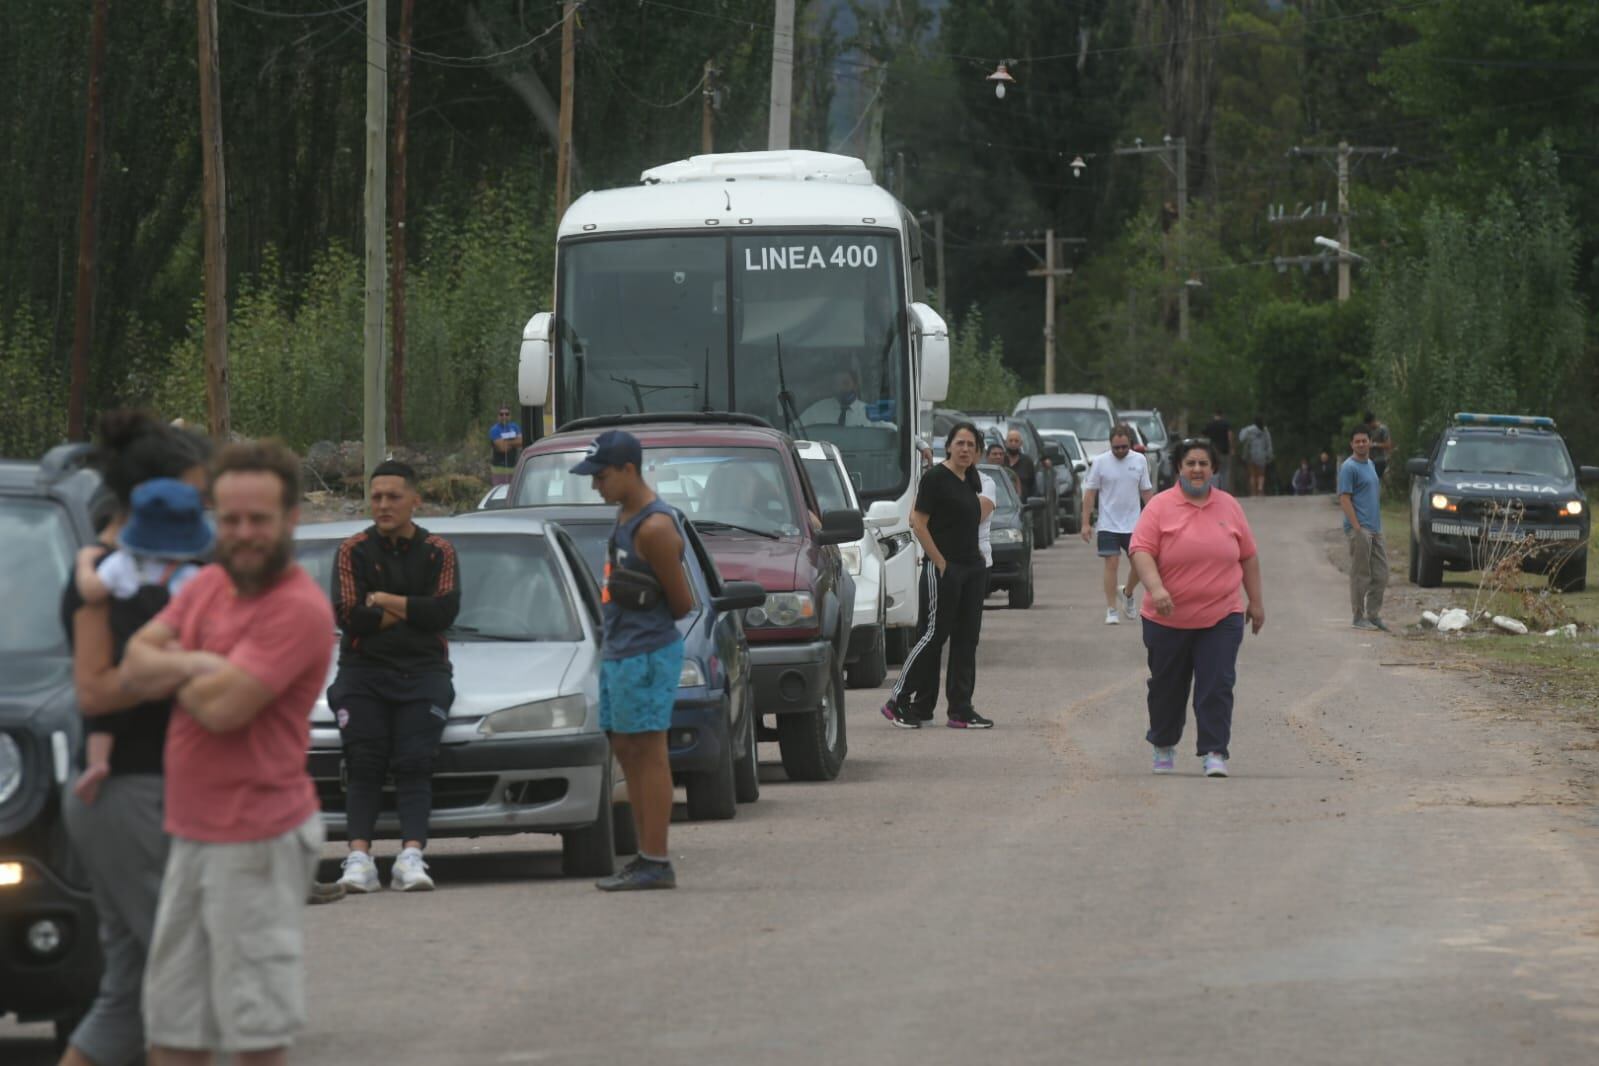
493,675
771,564
1529,486
33,684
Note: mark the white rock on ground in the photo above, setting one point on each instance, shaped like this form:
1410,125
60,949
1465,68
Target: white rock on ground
1453,620
1429,618
1510,625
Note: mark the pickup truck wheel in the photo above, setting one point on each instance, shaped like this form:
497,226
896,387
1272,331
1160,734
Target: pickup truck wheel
591,851
869,670
897,644
1429,568
1572,575
1072,524
747,769
1021,593
813,745
711,792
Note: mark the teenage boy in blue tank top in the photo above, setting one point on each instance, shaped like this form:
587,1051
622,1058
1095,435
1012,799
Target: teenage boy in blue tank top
642,660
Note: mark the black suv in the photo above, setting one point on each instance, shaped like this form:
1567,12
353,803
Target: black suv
49,943
1495,479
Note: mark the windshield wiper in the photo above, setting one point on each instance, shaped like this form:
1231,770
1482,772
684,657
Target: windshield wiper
713,524
478,634
785,399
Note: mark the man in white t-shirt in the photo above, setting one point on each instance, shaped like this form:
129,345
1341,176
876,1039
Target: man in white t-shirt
1119,483
987,500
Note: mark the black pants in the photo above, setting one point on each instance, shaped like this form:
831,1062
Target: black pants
1205,660
954,615
390,723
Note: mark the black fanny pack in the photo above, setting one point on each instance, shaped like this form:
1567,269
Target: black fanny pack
631,590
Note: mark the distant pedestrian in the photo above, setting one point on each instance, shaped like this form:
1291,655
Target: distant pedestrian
646,591
1304,482
1326,473
1254,445
505,444
1360,497
987,499
1118,482
1381,443
244,650
945,520
1220,434
1020,462
396,589
1193,549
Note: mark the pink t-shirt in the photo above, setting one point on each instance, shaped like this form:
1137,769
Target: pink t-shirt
1200,551
251,783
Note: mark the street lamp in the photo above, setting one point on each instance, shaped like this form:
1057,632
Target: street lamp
1078,166
1328,242
1001,77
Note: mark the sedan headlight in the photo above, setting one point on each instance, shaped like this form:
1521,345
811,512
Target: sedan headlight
1571,509
852,558
1440,502
1006,536
783,610
563,712
892,546
691,676
10,768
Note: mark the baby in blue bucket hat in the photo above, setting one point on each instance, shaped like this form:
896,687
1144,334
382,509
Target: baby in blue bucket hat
159,550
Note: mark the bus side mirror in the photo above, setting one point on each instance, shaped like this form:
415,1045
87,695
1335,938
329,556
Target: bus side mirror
935,352
533,364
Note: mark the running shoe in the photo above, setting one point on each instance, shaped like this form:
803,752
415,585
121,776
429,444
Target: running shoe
1128,604
900,716
1362,623
410,873
1215,765
1111,617
1378,623
360,873
325,892
640,875
1165,760
968,720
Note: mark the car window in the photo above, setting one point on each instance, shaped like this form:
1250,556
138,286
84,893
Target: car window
34,569
736,485
511,587
829,486
589,588
1487,454
1150,426
713,576
1005,498
593,540
1088,423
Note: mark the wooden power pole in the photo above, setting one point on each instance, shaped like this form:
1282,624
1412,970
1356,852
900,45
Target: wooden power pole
402,113
1049,269
563,149
213,210
708,109
779,120
377,146
83,323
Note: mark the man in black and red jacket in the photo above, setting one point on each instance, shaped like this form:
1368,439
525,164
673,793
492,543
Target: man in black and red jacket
396,589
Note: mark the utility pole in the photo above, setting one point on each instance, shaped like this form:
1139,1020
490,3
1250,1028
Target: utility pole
563,150
782,106
213,212
938,251
1342,154
707,109
402,114
377,122
83,296
1048,269
1173,151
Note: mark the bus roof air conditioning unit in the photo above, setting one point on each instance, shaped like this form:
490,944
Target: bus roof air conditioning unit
789,165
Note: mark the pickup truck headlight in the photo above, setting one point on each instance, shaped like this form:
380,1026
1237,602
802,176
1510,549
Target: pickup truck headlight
783,610
1571,509
892,546
1440,502
1006,536
852,558
691,676
563,712
10,768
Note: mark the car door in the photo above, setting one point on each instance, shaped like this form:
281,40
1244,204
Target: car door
727,628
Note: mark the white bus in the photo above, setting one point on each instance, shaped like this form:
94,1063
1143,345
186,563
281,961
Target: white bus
781,284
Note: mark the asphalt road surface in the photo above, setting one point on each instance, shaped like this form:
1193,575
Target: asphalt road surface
1403,869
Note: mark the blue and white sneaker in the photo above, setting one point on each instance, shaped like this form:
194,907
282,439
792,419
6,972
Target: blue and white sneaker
1165,760
1215,765
640,875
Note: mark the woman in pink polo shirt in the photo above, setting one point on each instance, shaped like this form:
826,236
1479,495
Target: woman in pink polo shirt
1193,551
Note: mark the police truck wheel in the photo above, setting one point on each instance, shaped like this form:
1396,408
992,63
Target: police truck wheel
711,792
872,667
813,745
591,851
1429,568
1413,559
747,769
1572,575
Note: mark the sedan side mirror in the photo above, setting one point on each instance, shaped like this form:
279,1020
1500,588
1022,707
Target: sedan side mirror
841,527
882,514
1034,503
1587,474
1079,466
739,596
1421,467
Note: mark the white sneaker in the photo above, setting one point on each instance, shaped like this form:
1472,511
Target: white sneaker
410,873
1129,605
1215,765
1111,617
360,873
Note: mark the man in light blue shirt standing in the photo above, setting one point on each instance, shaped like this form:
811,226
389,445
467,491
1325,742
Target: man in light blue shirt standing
1359,496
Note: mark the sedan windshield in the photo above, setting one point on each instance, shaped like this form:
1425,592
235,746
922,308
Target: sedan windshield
739,487
511,587
1005,498
33,571
1485,454
830,491
1088,423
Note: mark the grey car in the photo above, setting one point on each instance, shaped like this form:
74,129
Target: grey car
523,751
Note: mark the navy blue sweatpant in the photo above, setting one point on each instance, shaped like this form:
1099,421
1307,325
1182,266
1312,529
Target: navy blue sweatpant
1204,660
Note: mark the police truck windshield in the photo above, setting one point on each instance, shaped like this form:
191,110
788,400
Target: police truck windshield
805,330
1495,453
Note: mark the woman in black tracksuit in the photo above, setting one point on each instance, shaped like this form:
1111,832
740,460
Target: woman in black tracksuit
945,520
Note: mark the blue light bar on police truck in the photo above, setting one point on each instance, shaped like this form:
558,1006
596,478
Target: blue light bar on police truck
1467,418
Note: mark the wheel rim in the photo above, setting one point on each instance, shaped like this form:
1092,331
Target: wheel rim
830,718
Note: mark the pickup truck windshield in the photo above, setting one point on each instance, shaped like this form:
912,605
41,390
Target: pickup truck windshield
1532,456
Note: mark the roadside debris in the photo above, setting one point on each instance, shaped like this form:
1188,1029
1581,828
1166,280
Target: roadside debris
1569,631
1510,625
1429,619
1453,620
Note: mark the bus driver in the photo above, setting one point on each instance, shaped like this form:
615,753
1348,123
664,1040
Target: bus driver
844,408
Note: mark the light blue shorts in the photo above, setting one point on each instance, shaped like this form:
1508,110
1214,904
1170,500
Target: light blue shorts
637,693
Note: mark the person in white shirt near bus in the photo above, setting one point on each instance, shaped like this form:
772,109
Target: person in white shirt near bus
1118,481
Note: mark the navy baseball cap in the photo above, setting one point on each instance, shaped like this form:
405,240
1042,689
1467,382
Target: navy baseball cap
614,447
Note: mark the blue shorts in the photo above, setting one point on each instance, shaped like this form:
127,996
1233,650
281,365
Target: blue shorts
1110,544
637,693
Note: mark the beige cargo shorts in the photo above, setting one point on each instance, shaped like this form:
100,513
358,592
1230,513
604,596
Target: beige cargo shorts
227,963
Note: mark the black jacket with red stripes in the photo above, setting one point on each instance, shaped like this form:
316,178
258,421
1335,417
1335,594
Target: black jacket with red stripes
421,568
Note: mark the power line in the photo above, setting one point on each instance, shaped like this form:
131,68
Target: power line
468,62
266,13
679,102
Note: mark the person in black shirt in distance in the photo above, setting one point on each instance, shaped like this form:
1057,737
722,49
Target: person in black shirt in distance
1022,464
947,513
1220,434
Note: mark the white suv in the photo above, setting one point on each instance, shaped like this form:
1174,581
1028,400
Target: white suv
866,664
1089,415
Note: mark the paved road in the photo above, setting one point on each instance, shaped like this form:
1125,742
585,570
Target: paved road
1402,870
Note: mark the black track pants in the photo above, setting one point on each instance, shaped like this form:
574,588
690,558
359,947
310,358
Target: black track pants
954,615
390,724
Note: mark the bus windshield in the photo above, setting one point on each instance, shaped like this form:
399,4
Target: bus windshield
806,330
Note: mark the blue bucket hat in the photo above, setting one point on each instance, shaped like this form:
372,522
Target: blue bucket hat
614,447
168,521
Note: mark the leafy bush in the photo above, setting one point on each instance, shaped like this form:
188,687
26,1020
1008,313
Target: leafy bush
32,414
979,380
